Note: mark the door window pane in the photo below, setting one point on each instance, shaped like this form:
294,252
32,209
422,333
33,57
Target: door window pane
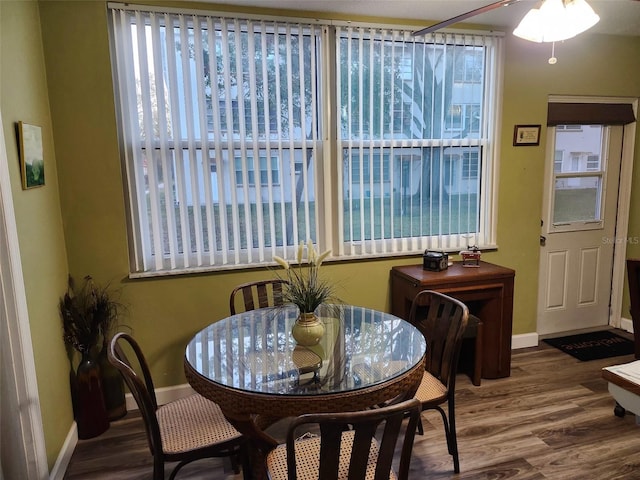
577,199
577,195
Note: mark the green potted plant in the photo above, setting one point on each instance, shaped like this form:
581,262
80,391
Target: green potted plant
89,316
307,290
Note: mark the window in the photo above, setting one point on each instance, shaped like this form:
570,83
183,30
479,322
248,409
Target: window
433,125
224,130
266,169
578,192
557,160
464,117
377,170
470,165
593,162
575,162
569,128
469,68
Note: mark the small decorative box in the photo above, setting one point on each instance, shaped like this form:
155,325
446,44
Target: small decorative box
471,257
435,261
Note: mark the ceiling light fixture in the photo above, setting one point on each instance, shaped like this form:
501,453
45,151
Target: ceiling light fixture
556,20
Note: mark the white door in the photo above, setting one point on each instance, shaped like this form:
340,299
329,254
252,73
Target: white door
582,173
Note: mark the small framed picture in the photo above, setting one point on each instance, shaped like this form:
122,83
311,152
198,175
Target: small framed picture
31,155
526,135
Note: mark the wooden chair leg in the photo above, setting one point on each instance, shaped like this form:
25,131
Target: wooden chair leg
245,460
474,337
158,468
235,463
420,428
477,361
453,437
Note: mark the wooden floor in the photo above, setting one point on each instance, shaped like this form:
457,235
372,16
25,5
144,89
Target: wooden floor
551,419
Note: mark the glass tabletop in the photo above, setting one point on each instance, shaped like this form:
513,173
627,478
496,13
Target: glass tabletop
255,352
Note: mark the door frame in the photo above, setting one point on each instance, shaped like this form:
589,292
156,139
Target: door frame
19,383
622,220
624,199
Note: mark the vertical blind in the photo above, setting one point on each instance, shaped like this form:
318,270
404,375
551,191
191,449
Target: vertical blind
228,162
220,136
417,120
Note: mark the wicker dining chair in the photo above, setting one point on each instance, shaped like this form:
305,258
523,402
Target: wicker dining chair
347,445
260,294
443,325
184,430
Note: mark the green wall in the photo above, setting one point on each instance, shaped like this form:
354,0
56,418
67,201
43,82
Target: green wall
165,312
589,65
24,97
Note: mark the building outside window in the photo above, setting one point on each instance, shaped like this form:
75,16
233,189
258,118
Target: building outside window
557,160
269,173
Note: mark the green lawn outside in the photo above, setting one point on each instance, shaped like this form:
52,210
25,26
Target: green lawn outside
410,218
575,204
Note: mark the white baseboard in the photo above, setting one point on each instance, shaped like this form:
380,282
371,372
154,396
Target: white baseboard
163,395
62,462
524,340
626,324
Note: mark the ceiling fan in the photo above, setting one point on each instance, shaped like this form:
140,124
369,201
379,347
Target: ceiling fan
554,20
464,16
488,8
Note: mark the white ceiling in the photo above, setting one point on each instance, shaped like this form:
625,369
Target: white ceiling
618,17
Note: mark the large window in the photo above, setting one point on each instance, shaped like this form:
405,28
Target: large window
226,137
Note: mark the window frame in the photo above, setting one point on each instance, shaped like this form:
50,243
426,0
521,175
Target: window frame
579,172
327,167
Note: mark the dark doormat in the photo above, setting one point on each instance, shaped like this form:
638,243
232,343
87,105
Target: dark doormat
593,345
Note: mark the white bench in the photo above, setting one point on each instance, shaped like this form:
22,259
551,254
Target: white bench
624,387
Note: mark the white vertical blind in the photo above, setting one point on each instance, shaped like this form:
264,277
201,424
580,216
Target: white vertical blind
225,153
415,136
219,124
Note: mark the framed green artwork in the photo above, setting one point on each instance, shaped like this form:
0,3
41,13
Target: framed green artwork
31,155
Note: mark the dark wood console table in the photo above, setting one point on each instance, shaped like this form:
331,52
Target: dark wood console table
488,292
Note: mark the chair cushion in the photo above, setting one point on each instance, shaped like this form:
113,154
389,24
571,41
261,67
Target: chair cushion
431,390
308,459
191,423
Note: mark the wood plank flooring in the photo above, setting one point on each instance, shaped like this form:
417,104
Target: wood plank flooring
551,419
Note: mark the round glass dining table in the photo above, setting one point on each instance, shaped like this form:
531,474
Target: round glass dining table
251,366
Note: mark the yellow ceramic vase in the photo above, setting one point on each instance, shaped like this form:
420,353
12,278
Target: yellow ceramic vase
308,329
